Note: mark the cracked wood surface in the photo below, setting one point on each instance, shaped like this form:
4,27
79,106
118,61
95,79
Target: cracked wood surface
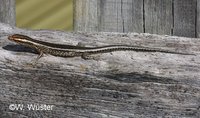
118,84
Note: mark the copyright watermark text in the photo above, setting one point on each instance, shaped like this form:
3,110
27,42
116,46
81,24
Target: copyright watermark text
30,107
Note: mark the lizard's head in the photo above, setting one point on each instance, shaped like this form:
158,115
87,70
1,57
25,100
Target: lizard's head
21,39
18,38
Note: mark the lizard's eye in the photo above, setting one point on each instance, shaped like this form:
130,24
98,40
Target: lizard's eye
10,37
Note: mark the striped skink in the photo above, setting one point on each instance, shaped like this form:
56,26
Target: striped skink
73,51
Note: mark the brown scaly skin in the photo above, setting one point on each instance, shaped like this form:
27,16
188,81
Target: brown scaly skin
73,51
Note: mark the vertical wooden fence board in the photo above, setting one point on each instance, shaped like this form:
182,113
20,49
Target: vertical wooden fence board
132,15
111,16
185,18
121,15
158,16
108,15
198,19
168,17
7,11
86,15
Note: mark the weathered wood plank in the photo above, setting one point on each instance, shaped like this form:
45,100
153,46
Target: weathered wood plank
185,18
132,15
119,84
7,11
86,16
166,17
198,19
109,15
158,16
122,16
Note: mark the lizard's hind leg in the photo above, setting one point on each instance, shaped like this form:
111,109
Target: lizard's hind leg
88,56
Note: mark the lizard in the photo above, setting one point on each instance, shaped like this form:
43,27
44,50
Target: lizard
73,51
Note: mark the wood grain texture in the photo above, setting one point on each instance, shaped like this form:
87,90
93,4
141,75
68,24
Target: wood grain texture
198,19
86,16
169,17
121,15
119,84
158,16
7,11
134,16
185,18
109,15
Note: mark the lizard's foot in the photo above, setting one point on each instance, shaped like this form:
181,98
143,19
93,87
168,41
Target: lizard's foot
90,57
34,61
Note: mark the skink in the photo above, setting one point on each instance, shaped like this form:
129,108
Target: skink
73,51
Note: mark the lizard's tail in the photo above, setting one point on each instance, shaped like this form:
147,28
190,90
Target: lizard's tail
112,48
